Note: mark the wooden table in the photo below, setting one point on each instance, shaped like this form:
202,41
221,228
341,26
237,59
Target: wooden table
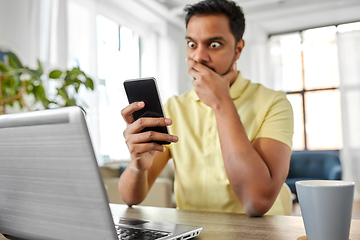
227,225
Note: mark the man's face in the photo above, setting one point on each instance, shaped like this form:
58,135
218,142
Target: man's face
210,42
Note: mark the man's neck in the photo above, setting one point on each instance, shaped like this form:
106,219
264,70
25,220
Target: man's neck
233,80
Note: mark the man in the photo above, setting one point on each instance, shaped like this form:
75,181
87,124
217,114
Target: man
231,138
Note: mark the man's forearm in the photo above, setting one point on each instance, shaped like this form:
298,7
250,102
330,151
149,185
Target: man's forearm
248,174
133,185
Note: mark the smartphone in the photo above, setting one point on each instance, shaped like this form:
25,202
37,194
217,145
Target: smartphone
146,90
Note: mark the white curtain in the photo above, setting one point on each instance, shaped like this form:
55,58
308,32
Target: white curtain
20,29
35,30
19,21
349,60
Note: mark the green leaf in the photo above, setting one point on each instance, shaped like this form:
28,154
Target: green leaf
8,70
89,83
17,82
45,102
77,86
55,74
40,91
62,92
76,71
14,60
6,82
71,102
35,92
69,79
33,73
40,69
29,89
4,67
11,83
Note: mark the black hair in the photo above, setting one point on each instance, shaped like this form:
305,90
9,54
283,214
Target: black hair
218,7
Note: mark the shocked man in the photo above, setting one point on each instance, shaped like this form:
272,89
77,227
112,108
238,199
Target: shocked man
231,138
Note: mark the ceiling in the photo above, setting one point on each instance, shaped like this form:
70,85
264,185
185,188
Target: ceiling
273,16
177,6
253,6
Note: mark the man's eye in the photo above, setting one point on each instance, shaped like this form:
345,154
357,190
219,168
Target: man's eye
215,45
191,44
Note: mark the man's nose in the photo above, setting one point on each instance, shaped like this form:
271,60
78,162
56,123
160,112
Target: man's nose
201,54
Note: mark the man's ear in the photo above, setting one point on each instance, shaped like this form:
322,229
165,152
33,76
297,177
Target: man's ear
238,48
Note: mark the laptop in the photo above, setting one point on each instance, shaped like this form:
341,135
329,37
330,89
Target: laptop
51,186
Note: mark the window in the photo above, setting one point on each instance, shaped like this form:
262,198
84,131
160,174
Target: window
118,59
305,65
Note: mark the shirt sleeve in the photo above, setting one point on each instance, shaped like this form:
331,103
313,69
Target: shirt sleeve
279,121
168,114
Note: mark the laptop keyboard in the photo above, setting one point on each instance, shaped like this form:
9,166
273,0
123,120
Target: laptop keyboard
139,234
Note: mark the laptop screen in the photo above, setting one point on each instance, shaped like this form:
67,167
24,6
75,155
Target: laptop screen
50,184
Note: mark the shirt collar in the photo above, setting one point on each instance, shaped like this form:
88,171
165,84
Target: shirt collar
236,89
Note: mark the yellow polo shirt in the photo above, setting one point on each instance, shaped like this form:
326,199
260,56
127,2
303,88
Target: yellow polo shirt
201,182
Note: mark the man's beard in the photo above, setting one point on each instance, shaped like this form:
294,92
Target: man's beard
231,65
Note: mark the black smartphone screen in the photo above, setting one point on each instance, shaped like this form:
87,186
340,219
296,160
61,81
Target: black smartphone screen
145,89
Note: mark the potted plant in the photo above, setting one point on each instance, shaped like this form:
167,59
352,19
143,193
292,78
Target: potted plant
17,80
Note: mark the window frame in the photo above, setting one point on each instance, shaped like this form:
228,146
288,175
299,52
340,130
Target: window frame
303,91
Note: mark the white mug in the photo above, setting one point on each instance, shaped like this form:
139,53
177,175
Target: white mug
326,208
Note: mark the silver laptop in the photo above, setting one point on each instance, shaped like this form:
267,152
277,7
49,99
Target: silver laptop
51,186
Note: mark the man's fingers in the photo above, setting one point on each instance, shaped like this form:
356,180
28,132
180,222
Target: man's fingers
149,137
191,63
142,123
195,74
138,149
129,110
199,71
199,67
133,131
145,142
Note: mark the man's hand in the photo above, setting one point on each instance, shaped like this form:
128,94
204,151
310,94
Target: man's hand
141,150
211,87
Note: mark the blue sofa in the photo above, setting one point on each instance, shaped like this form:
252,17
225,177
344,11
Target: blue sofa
308,165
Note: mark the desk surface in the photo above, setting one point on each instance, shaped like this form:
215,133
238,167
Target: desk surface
227,225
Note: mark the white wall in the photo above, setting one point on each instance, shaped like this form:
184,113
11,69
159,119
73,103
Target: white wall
172,65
